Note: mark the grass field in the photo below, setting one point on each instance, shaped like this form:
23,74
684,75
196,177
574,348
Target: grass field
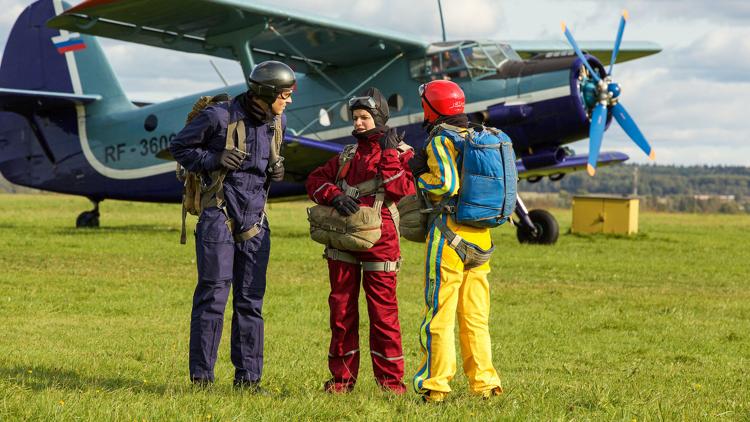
94,323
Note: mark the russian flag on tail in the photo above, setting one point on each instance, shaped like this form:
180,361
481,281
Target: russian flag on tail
68,42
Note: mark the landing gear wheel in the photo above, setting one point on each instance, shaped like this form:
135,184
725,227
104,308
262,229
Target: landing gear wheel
547,229
89,219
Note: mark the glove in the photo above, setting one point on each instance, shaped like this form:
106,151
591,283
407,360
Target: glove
418,163
231,159
390,140
345,205
276,171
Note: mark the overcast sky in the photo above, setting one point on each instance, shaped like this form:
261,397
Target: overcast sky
689,100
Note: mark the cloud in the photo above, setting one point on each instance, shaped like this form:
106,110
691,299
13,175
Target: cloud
11,9
419,18
721,55
688,120
726,11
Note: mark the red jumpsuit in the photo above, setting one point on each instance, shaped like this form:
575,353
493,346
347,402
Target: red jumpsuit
391,166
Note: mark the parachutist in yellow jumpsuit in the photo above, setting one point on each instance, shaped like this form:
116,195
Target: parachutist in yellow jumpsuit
450,290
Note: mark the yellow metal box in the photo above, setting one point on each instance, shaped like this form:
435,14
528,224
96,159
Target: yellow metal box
605,214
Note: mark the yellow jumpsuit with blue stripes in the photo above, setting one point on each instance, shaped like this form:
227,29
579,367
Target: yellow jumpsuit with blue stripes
450,291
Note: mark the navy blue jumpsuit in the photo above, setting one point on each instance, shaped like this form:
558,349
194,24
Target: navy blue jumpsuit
222,262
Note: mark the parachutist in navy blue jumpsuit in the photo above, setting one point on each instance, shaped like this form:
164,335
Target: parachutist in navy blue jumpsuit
222,260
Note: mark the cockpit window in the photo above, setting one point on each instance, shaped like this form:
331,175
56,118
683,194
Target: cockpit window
461,60
490,56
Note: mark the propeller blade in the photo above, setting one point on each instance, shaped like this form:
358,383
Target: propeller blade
618,40
629,126
578,51
596,132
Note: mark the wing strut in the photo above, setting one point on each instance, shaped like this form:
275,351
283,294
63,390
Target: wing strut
240,44
353,90
308,61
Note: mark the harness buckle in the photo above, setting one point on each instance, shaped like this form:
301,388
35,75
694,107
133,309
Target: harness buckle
352,191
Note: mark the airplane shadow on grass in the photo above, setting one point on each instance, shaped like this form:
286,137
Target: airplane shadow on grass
132,228
40,378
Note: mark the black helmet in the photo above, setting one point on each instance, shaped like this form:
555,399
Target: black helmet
269,79
374,102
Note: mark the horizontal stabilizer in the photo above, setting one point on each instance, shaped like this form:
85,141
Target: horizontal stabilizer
11,99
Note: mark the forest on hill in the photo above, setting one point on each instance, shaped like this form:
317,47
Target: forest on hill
723,189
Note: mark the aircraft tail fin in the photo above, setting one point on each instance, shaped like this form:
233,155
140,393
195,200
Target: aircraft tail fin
56,63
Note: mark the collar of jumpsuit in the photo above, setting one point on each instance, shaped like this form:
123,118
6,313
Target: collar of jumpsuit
370,136
365,164
256,112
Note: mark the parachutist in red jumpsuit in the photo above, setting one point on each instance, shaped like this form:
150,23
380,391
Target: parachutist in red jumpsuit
379,153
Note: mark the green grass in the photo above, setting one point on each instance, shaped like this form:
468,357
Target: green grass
94,323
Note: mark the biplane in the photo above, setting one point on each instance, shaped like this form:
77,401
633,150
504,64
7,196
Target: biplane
66,125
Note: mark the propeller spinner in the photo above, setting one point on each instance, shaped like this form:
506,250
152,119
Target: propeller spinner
606,95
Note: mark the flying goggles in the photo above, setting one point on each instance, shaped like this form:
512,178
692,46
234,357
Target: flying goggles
367,102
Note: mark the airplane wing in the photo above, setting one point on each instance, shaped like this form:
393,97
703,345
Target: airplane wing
214,27
301,155
629,50
570,165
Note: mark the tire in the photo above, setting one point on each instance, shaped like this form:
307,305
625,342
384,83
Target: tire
87,219
547,229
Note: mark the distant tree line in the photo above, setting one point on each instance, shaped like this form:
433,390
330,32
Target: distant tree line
724,189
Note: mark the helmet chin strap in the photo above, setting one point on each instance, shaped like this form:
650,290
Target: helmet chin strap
431,107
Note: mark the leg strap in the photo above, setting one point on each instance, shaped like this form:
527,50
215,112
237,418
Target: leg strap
247,234
471,254
381,266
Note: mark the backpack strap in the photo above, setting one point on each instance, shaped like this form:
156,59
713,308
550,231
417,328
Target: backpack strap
213,194
393,208
197,201
278,139
183,230
345,161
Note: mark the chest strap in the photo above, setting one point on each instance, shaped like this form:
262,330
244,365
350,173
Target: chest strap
382,266
366,188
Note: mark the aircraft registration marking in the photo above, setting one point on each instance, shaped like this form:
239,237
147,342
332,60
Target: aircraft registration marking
143,148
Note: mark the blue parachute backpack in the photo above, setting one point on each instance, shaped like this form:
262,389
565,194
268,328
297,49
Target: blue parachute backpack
487,197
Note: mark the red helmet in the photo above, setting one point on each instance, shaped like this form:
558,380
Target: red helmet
441,98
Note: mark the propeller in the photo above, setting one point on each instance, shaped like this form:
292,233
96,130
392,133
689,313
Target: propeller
605,93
